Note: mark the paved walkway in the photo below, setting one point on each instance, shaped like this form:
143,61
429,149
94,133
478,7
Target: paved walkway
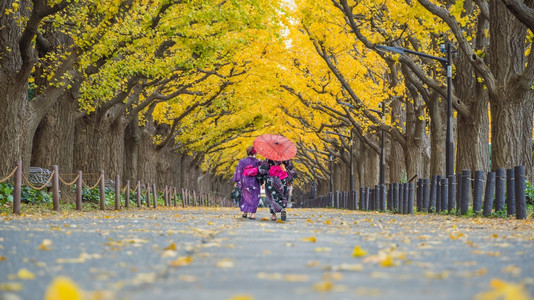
213,253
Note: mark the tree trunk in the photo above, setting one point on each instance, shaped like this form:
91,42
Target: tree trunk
132,138
395,158
16,130
415,131
473,128
99,145
436,110
511,103
53,143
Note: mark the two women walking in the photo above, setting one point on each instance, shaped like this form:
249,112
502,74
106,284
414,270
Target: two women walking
278,177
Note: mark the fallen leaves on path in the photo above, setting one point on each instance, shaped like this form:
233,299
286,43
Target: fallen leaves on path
63,288
501,289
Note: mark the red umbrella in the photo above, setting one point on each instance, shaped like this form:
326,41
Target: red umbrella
275,147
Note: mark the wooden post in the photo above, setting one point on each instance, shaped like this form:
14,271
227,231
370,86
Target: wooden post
174,197
117,192
55,188
166,195
138,193
102,191
155,195
17,189
183,198
79,186
148,195
127,195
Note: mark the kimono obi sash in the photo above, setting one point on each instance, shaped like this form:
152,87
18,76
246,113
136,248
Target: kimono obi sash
277,171
250,170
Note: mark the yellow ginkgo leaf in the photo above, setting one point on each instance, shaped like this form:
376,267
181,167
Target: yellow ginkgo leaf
11,287
322,249
504,290
433,275
387,262
63,288
172,246
323,286
296,277
310,239
45,245
456,236
358,252
182,261
25,274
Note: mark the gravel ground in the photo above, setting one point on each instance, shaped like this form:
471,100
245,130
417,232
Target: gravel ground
213,253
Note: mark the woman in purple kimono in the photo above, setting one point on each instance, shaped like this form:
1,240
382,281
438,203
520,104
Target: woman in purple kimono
245,177
278,177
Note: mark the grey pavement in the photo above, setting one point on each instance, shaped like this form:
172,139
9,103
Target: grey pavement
213,253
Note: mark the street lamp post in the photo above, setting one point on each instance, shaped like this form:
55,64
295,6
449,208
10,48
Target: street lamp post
351,159
447,63
331,158
382,175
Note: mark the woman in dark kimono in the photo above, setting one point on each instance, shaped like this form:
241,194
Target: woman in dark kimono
277,176
245,177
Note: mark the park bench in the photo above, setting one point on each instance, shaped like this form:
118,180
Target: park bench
39,176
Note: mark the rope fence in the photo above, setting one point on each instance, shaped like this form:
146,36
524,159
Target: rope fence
52,180
9,176
38,188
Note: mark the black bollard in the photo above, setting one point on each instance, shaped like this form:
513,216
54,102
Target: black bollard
433,191
438,193
372,199
418,195
362,198
401,198
410,197
406,198
390,197
500,179
477,193
383,197
466,189
444,194
452,193
458,192
510,192
488,196
395,194
520,197
426,194
367,197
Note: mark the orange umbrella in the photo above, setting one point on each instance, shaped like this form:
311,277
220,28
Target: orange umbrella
275,147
